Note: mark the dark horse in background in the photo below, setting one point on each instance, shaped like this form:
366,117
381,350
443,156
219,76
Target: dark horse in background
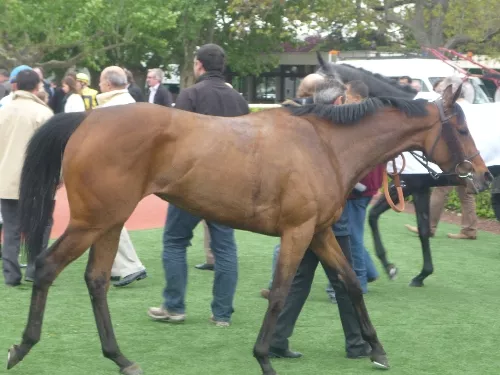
228,170
416,185
419,187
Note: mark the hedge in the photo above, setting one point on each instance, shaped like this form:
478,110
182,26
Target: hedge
483,204
483,200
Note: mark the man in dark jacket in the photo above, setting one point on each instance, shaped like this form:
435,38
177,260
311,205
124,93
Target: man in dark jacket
158,94
210,96
133,89
324,91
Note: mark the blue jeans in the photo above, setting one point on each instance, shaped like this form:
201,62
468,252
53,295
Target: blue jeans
177,235
361,261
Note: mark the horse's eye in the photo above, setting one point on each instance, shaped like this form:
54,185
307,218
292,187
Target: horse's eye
463,131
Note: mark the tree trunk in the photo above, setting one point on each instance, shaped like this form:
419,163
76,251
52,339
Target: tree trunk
186,67
187,74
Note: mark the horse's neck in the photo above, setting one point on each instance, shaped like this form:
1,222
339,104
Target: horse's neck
375,140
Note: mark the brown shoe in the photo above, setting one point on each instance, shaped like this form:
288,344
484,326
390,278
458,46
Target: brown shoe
265,293
413,229
461,236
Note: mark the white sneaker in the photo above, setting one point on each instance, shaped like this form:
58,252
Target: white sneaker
162,314
219,323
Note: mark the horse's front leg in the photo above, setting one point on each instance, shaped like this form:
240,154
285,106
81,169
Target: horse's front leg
294,243
326,247
422,201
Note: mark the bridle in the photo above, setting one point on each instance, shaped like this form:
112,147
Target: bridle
447,131
451,140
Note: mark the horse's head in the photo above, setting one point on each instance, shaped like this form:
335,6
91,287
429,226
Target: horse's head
451,146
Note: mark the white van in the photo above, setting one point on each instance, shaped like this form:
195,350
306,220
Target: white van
426,71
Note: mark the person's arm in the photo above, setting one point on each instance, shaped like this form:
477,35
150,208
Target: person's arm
185,101
168,98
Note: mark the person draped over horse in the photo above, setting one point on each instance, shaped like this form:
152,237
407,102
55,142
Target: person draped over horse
228,170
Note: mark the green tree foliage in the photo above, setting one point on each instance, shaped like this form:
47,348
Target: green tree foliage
448,23
62,33
249,31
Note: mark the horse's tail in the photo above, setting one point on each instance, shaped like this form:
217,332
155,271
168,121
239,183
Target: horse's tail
40,176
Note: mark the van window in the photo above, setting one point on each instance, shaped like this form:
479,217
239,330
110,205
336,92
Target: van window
480,96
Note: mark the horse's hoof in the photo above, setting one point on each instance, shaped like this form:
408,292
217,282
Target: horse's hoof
392,272
417,283
133,369
12,357
380,361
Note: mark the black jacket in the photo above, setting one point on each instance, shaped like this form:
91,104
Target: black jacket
57,101
163,96
211,96
136,93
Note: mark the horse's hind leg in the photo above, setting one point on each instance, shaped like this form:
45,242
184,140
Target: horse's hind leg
422,201
329,252
97,276
293,247
71,245
378,209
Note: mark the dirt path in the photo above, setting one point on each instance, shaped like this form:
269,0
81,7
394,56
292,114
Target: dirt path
151,213
488,225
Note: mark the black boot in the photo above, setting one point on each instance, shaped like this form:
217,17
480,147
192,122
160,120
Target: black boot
283,353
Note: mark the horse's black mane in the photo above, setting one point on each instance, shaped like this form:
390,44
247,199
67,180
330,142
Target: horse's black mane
378,85
351,113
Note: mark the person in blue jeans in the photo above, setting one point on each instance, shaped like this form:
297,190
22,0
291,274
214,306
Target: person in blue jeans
357,203
176,238
210,96
362,262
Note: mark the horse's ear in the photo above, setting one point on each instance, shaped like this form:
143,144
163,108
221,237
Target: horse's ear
320,60
457,93
450,97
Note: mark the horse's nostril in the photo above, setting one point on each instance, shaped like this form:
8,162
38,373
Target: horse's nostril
488,177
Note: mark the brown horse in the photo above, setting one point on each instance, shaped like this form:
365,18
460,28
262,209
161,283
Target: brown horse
281,172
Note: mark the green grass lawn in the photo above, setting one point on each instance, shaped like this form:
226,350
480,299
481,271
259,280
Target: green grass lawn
448,327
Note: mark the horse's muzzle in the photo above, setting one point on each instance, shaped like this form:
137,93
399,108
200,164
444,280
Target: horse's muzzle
479,182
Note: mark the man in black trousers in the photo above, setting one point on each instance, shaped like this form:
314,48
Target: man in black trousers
326,92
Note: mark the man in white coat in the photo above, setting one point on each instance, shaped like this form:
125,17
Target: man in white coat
19,119
127,267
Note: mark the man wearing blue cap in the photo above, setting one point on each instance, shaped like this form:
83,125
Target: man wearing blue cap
12,80
19,119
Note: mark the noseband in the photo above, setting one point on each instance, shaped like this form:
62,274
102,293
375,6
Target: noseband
447,132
